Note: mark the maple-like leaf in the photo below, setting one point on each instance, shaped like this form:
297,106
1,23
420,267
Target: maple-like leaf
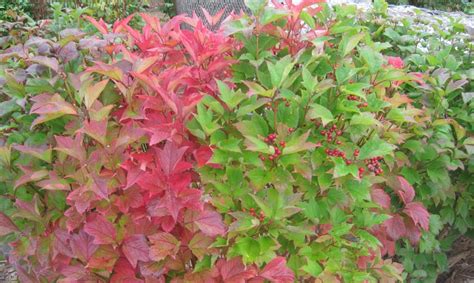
135,248
418,213
163,245
83,246
404,190
395,227
170,156
61,243
234,271
6,225
50,107
124,273
101,229
277,271
199,245
210,223
104,258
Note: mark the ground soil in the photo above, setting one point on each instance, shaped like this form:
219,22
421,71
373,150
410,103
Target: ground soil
461,263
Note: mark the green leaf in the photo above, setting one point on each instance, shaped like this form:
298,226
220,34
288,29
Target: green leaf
349,42
341,169
255,5
365,119
205,119
308,19
255,144
375,147
319,111
232,99
271,14
312,268
280,70
373,59
356,89
248,248
298,143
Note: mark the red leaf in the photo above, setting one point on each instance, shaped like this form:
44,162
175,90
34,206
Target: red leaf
100,25
124,273
101,229
277,271
418,213
210,223
380,197
234,271
395,227
83,246
413,232
170,156
135,248
61,243
6,225
403,189
71,147
202,155
163,245
104,258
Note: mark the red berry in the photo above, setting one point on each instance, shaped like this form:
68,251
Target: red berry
282,144
361,170
266,140
339,133
262,158
287,104
334,127
339,142
271,157
323,133
291,130
252,209
348,162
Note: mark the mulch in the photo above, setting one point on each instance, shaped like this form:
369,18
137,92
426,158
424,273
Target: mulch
460,262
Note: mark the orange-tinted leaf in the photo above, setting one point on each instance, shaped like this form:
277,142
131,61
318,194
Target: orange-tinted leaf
163,245
93,92
6,225
50,107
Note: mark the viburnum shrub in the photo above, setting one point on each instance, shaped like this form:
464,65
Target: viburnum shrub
306,137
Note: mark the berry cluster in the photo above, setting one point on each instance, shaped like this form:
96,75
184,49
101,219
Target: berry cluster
331,134
260,216
336,153
270,139
373,165
352,98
